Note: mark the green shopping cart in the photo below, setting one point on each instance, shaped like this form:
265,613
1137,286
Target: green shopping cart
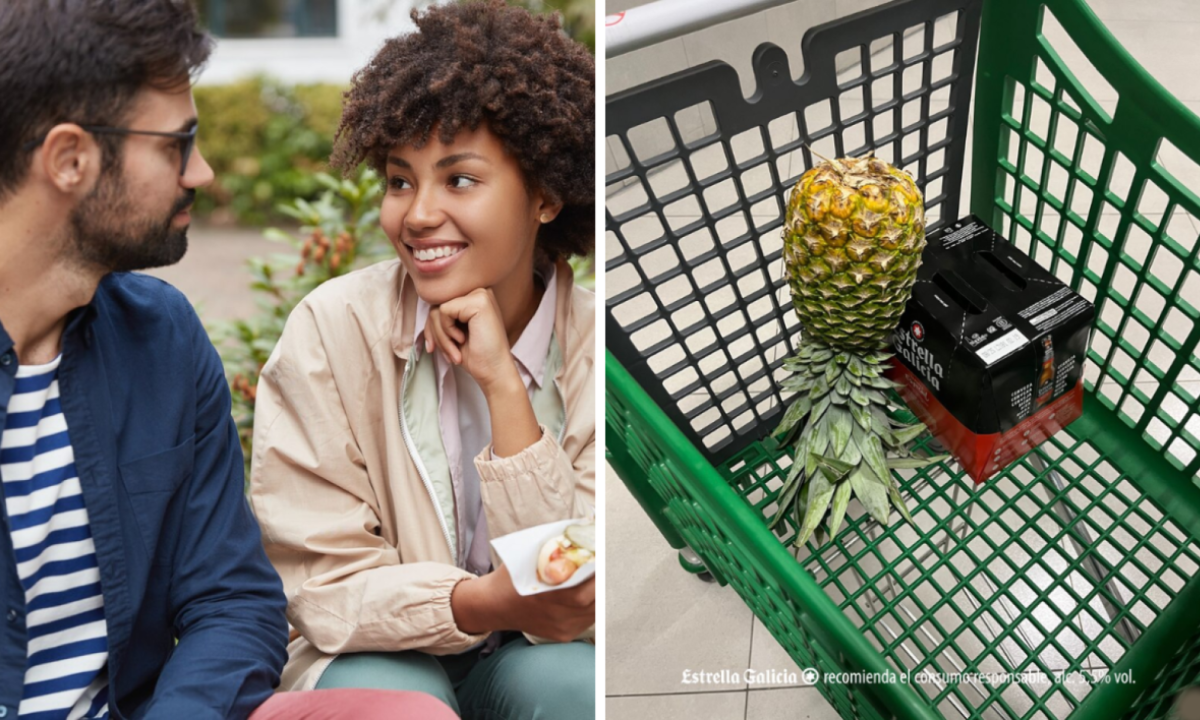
1079,558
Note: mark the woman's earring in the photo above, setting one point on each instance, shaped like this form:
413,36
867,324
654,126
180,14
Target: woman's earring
545,218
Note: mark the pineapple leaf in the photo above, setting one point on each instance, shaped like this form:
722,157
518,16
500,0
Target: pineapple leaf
876,397
786,495
852,454
879,357
915,463
842,358
819,409
798,383
880,383
842,386
872,451
841,498
832,371
842,425
801,504
838,467
820,388
873,495
862,415
795,413
906,435
819,494
855,367
821,356
898,501
859,396
818,440
797,466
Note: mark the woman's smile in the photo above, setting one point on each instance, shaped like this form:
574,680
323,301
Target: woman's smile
434,256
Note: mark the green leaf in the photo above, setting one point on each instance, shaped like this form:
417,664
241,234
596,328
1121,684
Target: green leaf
277,235
832,371
819,409
852,454
801,504
821,356
879,382
855,367
842,358
842,387
839,467
898,501
915,463
820,388
794,414
859,396
862,415
796,383
876,397
873,495
817,442
872,452
794,363
842,424
787,495
841,498
819,494
906,435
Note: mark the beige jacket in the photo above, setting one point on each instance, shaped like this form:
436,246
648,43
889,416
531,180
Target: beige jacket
366,543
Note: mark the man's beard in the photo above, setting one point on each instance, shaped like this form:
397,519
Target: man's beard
111,232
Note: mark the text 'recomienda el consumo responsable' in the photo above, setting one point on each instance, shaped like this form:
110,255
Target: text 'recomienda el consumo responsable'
811,676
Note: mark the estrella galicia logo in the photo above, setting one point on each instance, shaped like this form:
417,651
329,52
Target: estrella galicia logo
918,330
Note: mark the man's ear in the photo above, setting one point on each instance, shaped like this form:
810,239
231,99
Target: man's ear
70,158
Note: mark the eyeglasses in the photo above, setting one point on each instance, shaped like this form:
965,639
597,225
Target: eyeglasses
187,140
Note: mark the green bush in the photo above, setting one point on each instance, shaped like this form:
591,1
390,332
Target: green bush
338,233
267,143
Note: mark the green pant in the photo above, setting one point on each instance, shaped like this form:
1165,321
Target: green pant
519,681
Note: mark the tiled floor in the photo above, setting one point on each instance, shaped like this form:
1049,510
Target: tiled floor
663,622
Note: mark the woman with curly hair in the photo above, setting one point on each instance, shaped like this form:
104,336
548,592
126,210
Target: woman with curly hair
419,407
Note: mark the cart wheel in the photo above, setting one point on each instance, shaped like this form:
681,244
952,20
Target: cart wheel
691,562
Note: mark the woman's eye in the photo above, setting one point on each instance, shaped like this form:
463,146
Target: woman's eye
461,181
397,183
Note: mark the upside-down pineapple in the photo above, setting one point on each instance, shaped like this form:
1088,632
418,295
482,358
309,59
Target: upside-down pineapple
852,244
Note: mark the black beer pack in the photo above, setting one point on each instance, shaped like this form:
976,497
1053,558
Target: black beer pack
990,349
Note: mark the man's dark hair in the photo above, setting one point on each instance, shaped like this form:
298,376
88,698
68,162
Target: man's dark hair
472,63
84,61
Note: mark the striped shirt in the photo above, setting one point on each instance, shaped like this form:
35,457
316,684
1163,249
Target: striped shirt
65,674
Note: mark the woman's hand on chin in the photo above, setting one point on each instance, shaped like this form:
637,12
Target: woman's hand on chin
491,603
469,330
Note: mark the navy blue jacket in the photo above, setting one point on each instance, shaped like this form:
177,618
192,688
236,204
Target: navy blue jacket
180,554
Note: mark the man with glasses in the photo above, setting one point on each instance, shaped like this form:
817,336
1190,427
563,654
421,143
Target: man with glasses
132,575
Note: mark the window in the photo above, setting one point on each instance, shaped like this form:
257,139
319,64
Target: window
269,18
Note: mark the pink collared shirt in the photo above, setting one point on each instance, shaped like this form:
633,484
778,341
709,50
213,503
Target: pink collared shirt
465,423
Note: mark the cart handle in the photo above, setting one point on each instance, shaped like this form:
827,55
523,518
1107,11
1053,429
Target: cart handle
655,22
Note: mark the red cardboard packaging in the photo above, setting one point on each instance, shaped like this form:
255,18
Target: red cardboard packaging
990,349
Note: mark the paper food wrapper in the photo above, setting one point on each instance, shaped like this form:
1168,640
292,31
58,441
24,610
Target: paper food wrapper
519,551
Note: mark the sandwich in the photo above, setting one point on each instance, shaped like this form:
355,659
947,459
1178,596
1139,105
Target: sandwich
561,556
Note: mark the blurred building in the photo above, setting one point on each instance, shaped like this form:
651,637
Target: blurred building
298,41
